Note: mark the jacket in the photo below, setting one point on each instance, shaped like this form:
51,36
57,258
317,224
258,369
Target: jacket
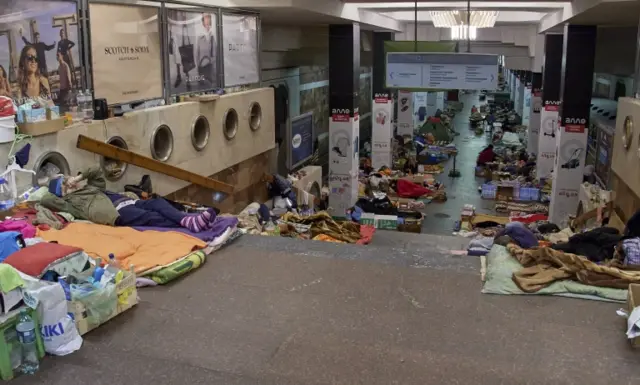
89,203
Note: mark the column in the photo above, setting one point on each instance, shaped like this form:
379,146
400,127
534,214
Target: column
521,81
578,55
526,99
512,85
516,100
432,104
534,115
344,77
420,107
551,77
382,130
440,101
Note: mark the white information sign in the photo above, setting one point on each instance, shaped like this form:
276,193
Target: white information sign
240,49
464,71
405,115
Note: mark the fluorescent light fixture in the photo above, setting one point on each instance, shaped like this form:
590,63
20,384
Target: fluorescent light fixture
460,32
478,19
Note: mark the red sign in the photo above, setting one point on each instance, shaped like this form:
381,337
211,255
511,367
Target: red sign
381,100
340,117
574,128
551,108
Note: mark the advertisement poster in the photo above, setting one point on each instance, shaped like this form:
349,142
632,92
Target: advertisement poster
547,141
420,106
405,113
39,56
534,122
240,34
382,133
193,51
301,140
571,145
125,50
344,143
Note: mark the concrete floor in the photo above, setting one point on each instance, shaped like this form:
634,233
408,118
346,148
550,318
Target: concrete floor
441,217
400,311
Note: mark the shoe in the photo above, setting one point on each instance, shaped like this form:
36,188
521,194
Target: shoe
143,189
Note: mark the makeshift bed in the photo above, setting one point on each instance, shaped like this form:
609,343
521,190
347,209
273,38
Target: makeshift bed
499,280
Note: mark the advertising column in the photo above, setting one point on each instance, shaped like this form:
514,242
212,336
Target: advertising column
521,83
516,91
550,104
432,100
381,128
405,114
571,144
526,104
535,108
344,125
125,52
440,101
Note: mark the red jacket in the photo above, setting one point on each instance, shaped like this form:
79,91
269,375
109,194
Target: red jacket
487,155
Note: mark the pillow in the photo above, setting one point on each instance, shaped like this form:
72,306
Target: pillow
36,260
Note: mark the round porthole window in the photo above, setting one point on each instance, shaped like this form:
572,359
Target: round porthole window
162,143
114,169
200,132
230,123
49,164
255,116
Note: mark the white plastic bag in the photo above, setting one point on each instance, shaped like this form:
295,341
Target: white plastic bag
59,332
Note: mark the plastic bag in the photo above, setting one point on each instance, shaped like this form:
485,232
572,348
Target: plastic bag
100,302
58,330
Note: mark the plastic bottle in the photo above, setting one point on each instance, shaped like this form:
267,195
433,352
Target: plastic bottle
98,272
26,329
113,261
79,106
88,106
6,197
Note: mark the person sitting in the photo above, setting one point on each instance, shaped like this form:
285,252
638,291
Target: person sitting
85,197
281,187
410,166
474,109
486,156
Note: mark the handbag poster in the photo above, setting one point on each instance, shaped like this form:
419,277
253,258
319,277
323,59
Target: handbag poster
240,36
125,50
193,52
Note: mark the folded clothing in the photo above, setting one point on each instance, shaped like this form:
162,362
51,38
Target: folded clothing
10,242
24,227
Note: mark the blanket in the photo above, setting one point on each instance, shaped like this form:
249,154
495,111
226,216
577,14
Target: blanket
322,223
220,225
545,265
144,250
501,266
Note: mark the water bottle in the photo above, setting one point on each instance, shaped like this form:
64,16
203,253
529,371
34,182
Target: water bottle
79,106
88,106
26,329
6,196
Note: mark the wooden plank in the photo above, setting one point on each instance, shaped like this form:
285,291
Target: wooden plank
113,152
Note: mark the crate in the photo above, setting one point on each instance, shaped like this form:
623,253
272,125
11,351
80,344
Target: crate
127,297
529,194
9,344
489,191
386,222
410,225
368,219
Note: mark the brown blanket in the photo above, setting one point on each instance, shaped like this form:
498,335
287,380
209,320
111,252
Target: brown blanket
544,266
322,223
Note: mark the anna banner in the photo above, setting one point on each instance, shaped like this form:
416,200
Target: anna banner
125,53
39,55
193,51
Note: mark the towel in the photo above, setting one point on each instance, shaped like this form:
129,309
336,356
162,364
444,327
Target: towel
9,278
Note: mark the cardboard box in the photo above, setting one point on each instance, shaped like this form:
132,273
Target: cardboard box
633,301
42,127
386,222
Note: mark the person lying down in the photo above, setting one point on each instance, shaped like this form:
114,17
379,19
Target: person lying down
85,197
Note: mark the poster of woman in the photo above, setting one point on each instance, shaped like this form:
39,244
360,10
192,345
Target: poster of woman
193,52
39,55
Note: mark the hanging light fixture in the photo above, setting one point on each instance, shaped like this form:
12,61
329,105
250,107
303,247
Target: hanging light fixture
464,24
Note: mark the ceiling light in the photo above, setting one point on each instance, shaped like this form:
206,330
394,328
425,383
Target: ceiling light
478,19
461,32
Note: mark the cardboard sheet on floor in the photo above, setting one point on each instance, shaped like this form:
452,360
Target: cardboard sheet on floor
144,250
501,266
479,218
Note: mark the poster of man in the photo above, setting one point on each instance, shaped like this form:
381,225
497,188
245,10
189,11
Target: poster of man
193,52
39,56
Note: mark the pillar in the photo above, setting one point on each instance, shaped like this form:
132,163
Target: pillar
520,105
420,107
432,104
534,115
382,131
526,99
440,101
551,77
512,85
344,78
578,55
